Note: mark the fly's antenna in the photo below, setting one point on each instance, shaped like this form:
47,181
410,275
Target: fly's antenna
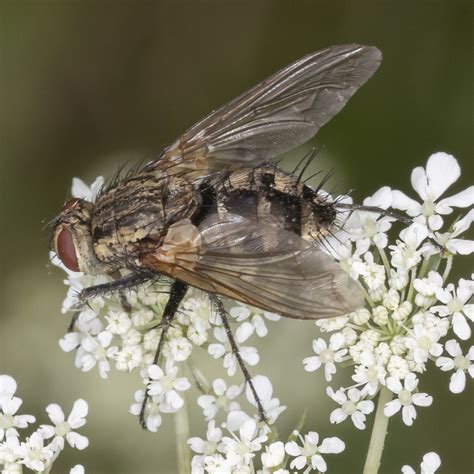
376,210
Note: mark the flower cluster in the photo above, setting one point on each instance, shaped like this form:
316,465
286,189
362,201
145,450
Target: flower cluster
39,450
411,307
413,319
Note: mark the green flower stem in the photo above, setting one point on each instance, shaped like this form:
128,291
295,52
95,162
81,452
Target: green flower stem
379,432
447,270
181,424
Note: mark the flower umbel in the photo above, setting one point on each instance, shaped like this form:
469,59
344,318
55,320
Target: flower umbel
410,324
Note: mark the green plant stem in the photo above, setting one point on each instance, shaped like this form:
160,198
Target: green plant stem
379,432
181,424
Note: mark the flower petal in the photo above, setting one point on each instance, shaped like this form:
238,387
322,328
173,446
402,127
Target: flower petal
332,445
442,170
457,382
77,441
55,413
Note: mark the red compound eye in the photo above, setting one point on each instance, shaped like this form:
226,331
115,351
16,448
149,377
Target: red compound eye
66,250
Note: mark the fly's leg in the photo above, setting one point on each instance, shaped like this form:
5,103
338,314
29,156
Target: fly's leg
128,281
235,350
177,292
121,284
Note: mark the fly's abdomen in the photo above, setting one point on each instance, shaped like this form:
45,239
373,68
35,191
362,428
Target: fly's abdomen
267,193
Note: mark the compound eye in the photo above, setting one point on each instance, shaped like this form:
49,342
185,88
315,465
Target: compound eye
66,250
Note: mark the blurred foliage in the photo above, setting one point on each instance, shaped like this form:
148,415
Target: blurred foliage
88,85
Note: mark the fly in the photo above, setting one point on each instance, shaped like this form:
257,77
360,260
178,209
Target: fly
214,213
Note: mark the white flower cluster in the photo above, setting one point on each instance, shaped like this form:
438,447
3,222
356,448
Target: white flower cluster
411,309
43,446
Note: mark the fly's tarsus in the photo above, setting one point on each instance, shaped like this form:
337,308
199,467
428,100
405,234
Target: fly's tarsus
177,293
235,350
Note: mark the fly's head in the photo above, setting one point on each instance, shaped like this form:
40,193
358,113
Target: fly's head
72,238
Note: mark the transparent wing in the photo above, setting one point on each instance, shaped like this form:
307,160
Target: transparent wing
261,265
278,114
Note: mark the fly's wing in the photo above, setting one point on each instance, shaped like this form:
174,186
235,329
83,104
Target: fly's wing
277,115
258,264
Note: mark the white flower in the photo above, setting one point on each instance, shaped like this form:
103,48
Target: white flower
406,254
427,288
215,464
81,190
351,405
326,355
406,398
423,342
119,322
243,447
456,305
9,452
243,312
369,227
180,348
248,354
34,454
370,374
271,406
274,454
458,362
430,464
309,454
164,387
450,241
128,358
152,411
205,447
222,400
64,429
93,351
373,274
442,170
9,420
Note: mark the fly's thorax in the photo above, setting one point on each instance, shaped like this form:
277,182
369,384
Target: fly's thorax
137,213
72,239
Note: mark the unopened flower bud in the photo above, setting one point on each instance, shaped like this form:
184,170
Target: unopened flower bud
361,316
383,353
370,336
391,300
398,367
195,336
403,311
398,279
397,345
380,315
350,336
378,294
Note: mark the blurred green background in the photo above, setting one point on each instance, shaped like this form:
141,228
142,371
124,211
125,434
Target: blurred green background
88,85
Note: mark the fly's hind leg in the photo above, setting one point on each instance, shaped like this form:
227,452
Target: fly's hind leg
177,293
235,350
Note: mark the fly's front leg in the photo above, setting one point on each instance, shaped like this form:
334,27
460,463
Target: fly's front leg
235,350
177,293
128,281
121,284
